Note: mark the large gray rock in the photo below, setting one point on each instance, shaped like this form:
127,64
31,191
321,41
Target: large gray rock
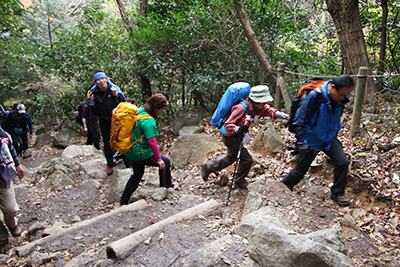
185,119
210,253
67,136
329,237
192,149
79,151
91,159
254,201
57,173
150,191
268,189
43,139
267,141
274,246
117,185
265,215
191,130
41,130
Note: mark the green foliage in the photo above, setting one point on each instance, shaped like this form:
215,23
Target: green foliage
189,50
46,19
10,11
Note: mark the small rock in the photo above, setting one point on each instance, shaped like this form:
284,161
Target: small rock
40,258
350,222
222,181
359,213
228,221
380,229
54,229
36,227
257,167
76,219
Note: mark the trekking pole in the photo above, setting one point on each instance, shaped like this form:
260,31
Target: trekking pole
234,172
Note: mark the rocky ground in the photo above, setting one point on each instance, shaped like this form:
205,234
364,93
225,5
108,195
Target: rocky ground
371,239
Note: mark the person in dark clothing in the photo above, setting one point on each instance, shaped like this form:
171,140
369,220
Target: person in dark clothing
8,204
235,130
17,123
105,97
93,137
316,130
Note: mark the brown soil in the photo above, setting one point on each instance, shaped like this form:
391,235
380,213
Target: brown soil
310,212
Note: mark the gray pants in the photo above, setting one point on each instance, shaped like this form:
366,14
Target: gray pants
233,144
9,207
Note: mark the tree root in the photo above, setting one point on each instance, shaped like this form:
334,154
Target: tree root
355,174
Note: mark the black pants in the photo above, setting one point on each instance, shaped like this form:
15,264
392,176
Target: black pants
105,128
93,136
20,145
138,171
233,143
339,160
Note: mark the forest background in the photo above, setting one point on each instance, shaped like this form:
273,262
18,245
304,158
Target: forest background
192,50
189,50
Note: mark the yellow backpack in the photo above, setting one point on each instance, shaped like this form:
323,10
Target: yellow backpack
123,120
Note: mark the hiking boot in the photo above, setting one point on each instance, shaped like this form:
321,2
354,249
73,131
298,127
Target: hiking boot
204,171
17,231
341,200
109,170
242,185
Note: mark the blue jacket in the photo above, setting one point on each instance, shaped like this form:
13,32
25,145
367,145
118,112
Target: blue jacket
318,128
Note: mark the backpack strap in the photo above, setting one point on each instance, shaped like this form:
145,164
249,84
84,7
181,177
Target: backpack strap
318,103
141,117
246,106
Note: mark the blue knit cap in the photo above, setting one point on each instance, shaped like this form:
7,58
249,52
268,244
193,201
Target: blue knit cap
99,75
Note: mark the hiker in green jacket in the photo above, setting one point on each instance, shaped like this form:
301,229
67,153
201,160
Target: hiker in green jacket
146,151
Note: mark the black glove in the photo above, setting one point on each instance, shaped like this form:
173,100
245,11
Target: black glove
243,128
303,148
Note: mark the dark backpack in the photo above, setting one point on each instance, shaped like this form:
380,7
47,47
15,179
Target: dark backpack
307,87
79,116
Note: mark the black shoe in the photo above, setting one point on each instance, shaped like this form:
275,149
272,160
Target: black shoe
204,171
341,200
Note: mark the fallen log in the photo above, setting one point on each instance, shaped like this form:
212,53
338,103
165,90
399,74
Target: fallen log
24,250
120,249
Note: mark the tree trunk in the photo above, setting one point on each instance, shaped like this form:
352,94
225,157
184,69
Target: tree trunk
142,8
346,16
183,83
382,51
121,8
255,46
146,86
393,48
358,103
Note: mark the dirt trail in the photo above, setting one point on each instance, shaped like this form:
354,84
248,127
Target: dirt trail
310,212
